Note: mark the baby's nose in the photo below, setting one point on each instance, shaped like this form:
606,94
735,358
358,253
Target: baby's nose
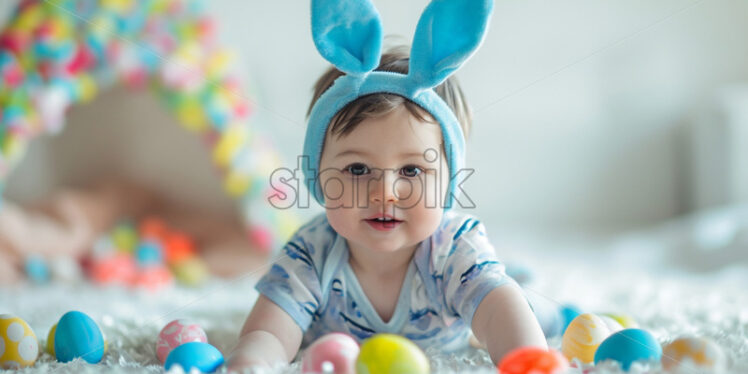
382,189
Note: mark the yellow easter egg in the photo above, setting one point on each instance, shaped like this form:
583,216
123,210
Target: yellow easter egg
125,238
390,354
612,324
191,271
693,353
626,321
51,340
18,345
583,336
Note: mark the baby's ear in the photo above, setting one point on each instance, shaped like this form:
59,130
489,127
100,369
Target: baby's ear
348,33
447,34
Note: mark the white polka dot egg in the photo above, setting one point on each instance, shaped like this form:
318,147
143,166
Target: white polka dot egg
18,345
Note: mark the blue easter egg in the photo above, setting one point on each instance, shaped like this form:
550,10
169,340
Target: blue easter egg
37,270
568,313
149,253
627,346
202,356
77,335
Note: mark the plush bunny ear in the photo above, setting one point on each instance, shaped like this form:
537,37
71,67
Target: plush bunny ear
447,34
348,33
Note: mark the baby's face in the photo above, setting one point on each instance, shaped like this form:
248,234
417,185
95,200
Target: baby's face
389,167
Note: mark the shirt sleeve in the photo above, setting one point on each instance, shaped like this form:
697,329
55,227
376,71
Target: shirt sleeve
292,282
471,270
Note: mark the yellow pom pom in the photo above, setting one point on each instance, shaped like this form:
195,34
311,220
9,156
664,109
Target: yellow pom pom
192,116
118,6
236,184
218,63
86,88
31,17
229,144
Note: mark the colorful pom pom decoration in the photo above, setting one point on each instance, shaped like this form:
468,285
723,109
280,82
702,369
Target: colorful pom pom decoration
56,54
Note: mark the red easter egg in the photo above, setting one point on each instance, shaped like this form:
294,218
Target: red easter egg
118,268
178,247
533,360
153,278
153,228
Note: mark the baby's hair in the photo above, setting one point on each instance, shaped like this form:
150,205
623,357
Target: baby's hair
395,60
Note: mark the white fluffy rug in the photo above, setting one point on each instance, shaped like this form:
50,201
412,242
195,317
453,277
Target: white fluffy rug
627,277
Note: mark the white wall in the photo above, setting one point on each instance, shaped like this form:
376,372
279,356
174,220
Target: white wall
577,103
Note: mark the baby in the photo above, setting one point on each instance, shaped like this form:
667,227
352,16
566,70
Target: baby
389,255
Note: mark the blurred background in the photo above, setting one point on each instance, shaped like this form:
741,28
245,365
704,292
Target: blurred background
590,118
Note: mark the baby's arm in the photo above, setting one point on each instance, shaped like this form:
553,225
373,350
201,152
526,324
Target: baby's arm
269,336
504,321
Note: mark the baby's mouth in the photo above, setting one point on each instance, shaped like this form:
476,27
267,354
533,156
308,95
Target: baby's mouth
383,222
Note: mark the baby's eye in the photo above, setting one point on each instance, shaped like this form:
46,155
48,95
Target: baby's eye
411,171
357,169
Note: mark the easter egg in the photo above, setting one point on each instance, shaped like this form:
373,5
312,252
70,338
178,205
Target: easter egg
336,350
65,269
153,278
199,355
191,271
628,346
694,353
626,321
119,268
568,313
392,354
50,347
149,253
77,335
533,360
612,324
125,238
153,228
178,247
18,345
583,336
176,333
37,270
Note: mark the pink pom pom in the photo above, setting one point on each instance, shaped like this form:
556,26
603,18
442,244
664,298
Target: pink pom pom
261,237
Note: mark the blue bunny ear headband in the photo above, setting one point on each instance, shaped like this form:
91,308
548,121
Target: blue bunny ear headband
348,34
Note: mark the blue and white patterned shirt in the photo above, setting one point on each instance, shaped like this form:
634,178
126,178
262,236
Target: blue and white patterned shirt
450,273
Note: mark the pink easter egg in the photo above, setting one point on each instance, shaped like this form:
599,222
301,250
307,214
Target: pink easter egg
336,351
176,333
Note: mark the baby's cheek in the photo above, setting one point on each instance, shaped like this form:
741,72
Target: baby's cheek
434,190
336,189
409,191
